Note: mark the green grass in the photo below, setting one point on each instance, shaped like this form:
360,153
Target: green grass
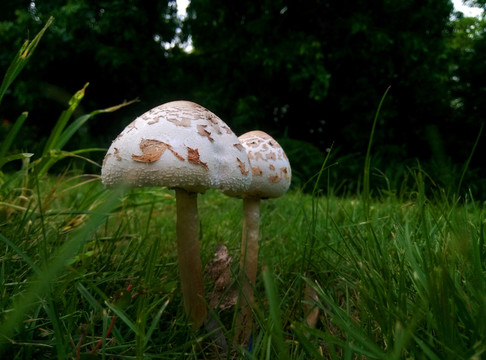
407,281
89,273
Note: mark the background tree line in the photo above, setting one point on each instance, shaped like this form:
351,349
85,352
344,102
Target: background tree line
309,73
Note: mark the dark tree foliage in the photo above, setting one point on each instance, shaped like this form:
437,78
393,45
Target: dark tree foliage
468,50
110,44
467,53
318,69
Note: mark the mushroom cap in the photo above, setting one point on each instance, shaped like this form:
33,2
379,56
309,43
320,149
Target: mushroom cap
178,144
270,167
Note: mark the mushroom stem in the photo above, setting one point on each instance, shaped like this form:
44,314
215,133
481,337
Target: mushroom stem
248,269
189,257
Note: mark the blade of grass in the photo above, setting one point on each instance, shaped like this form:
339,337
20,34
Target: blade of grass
313,220
21,59
52,312
366,175
89,298
155,323
62,133
123,316
79,122
53,140
468,161
426,349
45,163
275,327
7,142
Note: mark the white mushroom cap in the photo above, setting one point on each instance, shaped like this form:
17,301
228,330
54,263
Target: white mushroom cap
270,167
177,144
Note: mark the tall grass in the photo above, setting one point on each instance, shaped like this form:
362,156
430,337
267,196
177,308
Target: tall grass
87,273
37,246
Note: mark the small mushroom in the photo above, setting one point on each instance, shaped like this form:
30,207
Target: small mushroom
180,145
271,175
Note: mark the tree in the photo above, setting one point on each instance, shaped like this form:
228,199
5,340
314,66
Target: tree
467,52
318,70
115,45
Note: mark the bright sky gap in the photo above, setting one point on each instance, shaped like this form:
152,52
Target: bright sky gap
458,5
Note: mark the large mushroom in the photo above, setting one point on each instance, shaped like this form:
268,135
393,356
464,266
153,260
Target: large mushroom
180,145
271,175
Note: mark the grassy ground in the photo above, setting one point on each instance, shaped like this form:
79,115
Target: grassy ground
405,281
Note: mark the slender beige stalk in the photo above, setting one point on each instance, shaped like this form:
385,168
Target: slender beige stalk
189,257
248,266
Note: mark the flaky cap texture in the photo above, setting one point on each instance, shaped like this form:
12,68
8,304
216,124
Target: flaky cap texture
179,145
270,167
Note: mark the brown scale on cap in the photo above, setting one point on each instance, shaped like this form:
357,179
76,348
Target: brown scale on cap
252,144
227,129
117,154
242,167
193,158
149,115
201,130
213,121
152,150
186,122
258,156
285,172
239,147
106,158
256,171
154,121
131,126
275,178
271,156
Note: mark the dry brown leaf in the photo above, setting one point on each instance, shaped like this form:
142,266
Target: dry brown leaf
219,271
